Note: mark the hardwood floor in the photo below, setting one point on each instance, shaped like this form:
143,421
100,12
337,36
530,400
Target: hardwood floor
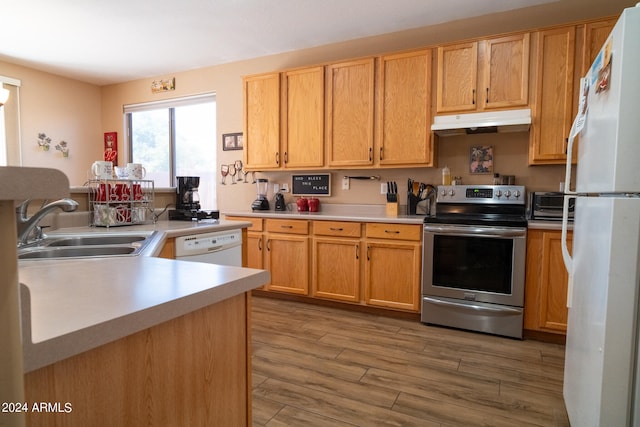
322,366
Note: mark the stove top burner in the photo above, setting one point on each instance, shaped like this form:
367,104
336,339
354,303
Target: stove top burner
487,205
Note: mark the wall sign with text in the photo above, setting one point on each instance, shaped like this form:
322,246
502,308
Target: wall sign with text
317,184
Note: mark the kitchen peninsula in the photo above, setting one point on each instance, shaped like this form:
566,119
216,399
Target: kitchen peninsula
126,340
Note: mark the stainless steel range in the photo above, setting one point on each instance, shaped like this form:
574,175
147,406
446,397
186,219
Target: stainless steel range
473,259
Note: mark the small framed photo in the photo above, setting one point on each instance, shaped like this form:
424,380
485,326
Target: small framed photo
232,141
481,159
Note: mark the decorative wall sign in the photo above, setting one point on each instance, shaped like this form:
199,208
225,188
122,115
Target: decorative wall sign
111,147
232,141
317,184
481,159
158,86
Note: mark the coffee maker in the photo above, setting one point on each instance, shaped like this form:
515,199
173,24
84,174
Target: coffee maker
188,201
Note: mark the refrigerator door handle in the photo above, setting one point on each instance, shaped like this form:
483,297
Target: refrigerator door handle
566,256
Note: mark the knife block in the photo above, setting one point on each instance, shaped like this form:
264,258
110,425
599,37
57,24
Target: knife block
392,208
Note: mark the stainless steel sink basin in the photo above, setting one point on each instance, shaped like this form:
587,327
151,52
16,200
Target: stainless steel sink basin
85,251
94,244
94,240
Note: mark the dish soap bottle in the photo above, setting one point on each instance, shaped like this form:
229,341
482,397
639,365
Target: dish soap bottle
446,176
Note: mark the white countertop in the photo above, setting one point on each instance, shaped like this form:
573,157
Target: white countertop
337,212
71,306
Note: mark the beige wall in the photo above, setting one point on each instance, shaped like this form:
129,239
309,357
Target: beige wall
65,110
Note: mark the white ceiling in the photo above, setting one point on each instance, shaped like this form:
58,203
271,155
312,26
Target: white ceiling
111,41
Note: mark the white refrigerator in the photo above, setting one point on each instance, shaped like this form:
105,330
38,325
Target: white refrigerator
601,384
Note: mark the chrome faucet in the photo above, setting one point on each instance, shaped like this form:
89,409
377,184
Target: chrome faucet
27,225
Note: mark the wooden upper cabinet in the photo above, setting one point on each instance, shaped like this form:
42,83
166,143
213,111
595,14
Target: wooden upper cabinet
303,144
552,110
457,77
505,65
404,110
262,121
476,76
595,34
350,107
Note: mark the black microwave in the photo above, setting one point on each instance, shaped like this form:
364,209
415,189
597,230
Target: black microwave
547,206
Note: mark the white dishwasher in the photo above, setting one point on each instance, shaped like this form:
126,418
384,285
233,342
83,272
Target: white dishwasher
221,247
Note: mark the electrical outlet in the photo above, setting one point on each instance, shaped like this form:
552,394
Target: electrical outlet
284,188
383,188
345,183
276,188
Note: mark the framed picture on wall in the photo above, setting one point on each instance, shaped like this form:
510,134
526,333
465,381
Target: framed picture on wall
232,141
481,159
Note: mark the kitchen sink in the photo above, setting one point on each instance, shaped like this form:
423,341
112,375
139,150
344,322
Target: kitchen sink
94,240
86,245
84,251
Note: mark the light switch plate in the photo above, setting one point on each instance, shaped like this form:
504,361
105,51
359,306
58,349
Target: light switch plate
345,183
383,188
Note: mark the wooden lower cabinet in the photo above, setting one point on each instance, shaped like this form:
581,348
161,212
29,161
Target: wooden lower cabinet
194,370
392,275
393,266
336,261
287,255
255,244
545,307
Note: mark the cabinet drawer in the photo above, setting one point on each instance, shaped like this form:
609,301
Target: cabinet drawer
287,226
256,223
394,231
336,228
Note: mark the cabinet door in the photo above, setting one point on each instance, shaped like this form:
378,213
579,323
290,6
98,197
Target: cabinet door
505,70
392,275
262,121
553,108
254,250
457,77
304,118
287,259
336,269
350,106
595,34
404,116
552,312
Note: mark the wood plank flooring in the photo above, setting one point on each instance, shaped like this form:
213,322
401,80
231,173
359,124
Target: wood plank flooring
324,366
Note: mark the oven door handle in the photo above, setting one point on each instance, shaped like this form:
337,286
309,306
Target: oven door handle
497,310
471,231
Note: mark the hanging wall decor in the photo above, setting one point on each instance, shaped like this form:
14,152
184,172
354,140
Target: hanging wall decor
158,86
62,146
232,141
481,159
111,147
44,141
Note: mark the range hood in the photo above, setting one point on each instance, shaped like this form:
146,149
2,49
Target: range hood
486,122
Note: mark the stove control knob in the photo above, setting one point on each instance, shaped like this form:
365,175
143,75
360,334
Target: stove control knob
498,193
451,193
507,193
443,193
516,194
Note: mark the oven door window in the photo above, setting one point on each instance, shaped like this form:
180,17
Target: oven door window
473,263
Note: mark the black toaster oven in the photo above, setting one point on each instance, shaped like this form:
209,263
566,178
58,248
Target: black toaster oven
547,206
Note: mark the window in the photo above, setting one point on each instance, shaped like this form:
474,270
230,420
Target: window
176,138
10,124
